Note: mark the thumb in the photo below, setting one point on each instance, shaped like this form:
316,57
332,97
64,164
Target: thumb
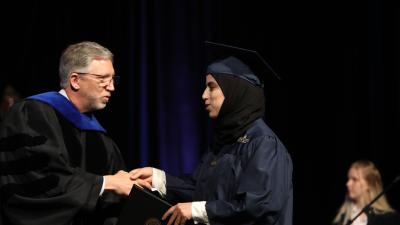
135,174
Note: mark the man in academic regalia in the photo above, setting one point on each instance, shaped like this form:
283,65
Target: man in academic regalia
57,163
246,176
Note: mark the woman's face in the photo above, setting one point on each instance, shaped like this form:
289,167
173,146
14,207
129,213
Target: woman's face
357,187
213,97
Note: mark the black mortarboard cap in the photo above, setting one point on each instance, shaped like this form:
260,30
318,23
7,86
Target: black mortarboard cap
243,63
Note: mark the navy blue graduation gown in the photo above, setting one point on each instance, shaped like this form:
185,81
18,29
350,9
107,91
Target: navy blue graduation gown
52,160
248,182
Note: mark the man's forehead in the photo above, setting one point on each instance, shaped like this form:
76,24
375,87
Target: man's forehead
101,64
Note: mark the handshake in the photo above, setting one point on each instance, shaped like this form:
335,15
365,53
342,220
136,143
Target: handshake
121,183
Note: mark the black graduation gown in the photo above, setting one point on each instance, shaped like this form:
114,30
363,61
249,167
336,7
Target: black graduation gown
53,159
389,218
248,182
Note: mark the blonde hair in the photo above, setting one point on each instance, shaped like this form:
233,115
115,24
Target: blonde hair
373,179
79,56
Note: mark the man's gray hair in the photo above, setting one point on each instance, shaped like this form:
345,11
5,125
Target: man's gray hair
77,57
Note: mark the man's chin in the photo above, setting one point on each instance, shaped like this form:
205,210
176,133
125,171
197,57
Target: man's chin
100,106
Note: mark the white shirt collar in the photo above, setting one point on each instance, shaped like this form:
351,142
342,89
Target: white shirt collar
63,93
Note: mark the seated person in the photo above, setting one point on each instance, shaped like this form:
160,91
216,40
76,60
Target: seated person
363,185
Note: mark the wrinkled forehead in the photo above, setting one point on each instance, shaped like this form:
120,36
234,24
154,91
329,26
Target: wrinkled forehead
101,65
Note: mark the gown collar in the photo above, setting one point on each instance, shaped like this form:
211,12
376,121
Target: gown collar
83,121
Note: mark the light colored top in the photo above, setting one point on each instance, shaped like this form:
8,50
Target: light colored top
361,220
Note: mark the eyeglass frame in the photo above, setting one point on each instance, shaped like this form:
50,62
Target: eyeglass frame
114,79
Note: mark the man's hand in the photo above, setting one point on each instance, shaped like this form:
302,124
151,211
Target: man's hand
180,213
118,183
145,174
121,183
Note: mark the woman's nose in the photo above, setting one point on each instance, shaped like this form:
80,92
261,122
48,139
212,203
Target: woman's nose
204,96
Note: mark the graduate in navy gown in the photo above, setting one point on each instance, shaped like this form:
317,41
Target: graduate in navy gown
246,176
58,165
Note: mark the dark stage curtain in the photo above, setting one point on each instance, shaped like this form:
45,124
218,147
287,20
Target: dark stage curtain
166,120
338,101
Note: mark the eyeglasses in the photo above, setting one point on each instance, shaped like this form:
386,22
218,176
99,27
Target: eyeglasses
104,80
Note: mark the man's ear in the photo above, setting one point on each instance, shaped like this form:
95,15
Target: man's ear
74,81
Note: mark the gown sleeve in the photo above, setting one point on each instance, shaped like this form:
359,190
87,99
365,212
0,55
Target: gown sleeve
48,192
182,189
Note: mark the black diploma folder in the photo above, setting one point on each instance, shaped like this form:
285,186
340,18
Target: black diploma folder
143,208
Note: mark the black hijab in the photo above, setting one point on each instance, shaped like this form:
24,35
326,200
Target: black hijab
243,104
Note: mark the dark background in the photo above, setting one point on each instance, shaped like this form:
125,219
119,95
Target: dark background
338,100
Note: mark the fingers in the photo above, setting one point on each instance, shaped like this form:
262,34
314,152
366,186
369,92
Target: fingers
135,171
142,173
184,212
135,174
142,183
172,218
183,221
122,182
122,172
177,216
168,212
178,219
127,183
